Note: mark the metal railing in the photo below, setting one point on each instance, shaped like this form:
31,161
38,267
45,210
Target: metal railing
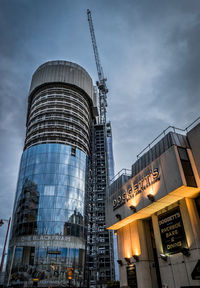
124,171
47,117
56,126
57,110
127,172
164,132
60,105
59,93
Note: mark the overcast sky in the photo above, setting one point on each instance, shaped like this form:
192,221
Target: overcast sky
149,51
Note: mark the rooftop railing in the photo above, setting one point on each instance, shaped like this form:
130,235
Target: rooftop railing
126,172
164,132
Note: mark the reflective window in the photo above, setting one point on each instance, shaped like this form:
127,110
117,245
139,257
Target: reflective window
46,263
18,255
50,192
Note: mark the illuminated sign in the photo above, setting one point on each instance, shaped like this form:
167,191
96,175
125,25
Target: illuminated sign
137,188
45,238
54,252
172,231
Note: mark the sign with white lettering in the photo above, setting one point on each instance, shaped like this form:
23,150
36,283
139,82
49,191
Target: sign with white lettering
138,187
45,238
53,252
172,231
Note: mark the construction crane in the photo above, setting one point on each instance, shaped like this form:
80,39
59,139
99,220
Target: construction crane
101,84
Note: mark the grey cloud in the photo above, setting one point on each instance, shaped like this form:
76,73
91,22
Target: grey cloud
149,51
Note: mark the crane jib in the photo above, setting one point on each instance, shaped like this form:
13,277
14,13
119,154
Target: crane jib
103,90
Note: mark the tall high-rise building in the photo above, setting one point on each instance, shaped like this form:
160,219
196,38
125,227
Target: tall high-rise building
100,259
99,253
47,242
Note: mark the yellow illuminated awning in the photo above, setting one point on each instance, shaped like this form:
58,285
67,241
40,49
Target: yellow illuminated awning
172,197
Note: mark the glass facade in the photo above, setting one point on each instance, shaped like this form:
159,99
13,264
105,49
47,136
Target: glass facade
47,239
50,192
49,201
51,266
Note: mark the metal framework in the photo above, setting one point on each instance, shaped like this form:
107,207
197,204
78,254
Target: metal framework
101,84
58,114
99,253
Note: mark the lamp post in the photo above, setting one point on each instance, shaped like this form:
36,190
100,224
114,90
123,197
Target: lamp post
5,242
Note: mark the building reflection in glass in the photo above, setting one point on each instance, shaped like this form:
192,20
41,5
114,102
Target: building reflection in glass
25,220
50,264
56,181
49,201
74,226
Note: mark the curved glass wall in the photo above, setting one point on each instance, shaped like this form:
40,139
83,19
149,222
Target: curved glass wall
47,235
50,191
52,266
48,222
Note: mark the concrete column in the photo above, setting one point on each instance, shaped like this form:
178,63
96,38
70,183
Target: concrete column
132,240
187,224
191,223
143,267
122,269
194,219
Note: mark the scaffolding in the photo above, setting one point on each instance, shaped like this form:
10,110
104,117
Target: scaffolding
99,266
99,252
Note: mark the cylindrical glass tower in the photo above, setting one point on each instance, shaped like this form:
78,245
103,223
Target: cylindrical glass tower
47,242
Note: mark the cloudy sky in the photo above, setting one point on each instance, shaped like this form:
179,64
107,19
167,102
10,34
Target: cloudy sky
150,53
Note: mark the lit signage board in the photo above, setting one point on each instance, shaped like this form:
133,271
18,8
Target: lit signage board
54,252
172,231
137,188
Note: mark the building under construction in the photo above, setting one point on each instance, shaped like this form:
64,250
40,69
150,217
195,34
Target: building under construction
99,253
99,266
65,171
62,186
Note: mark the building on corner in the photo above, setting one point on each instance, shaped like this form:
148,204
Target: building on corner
155,212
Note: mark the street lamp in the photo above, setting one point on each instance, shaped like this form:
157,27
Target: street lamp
5,242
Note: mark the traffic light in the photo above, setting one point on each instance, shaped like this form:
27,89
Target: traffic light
35,282
69,272
1,222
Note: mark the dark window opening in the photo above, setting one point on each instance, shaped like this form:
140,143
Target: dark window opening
187,168
73,151
197,200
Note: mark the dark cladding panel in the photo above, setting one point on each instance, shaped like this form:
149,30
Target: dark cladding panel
158,149
193,137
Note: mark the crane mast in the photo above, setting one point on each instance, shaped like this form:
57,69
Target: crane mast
101,84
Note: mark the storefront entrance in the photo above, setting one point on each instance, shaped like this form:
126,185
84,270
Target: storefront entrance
152,253
131,276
